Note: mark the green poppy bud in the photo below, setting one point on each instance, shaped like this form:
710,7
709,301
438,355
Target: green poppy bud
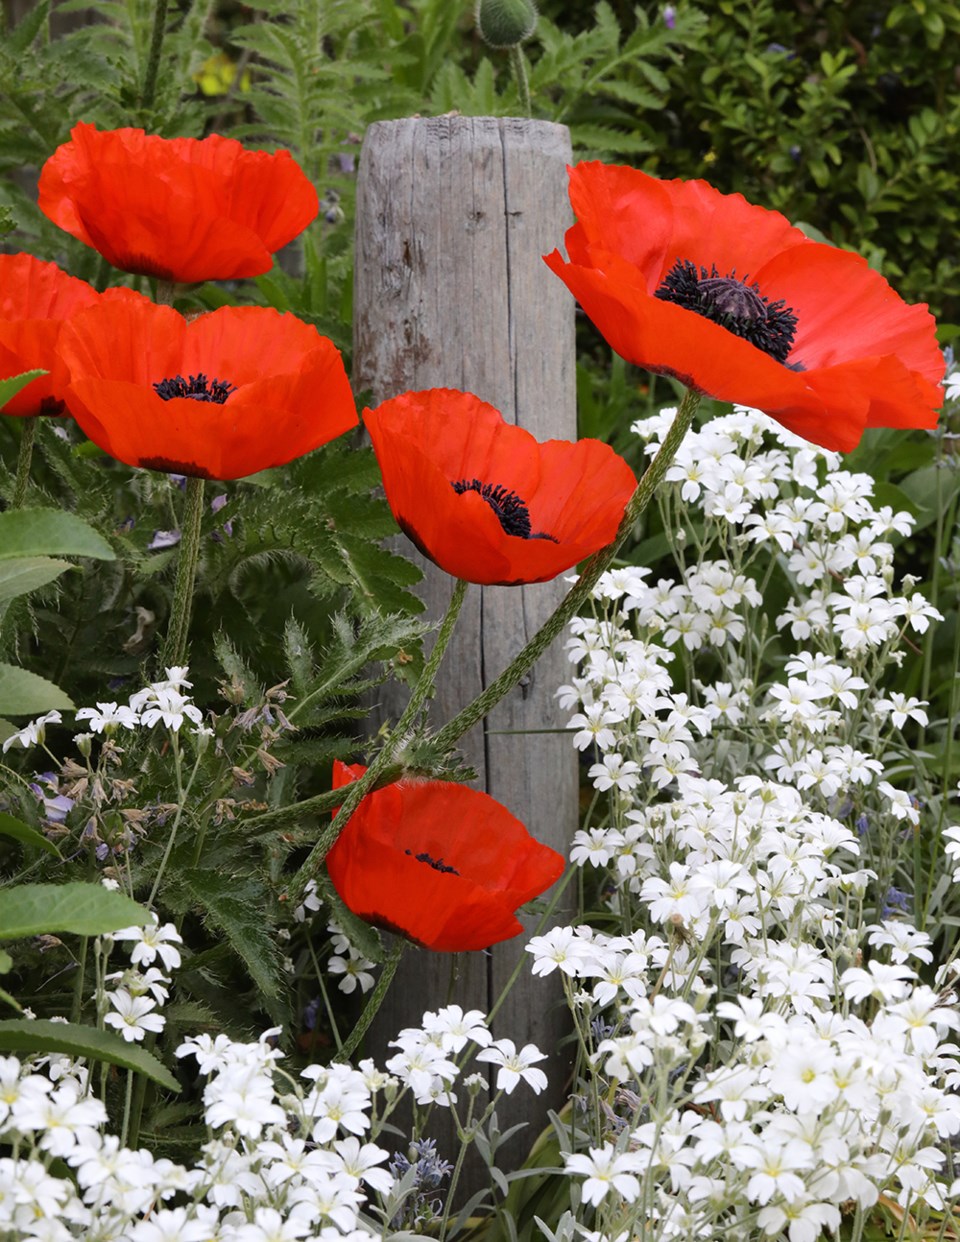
506,23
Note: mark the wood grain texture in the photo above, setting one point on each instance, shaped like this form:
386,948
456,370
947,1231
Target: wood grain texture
453,216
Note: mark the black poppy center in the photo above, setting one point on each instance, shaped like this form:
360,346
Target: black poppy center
436,863
734,304
197,388
512,514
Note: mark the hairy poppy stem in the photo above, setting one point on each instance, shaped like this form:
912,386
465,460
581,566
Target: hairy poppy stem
579,594
352,793
347,1050
175,647
519,66
149,88
24,458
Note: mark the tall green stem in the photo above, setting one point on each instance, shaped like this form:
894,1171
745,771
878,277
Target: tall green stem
374,1003
355,791
24,458
519,65
175,648
149,88
580,594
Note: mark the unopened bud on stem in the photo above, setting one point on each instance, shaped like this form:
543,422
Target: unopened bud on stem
506,23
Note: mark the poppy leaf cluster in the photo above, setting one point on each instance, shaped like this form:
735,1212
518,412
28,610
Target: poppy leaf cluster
738,304
221,396
181,209
483,498
442,864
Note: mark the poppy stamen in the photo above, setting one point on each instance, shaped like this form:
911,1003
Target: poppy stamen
197,388
436,863
734,304
511,512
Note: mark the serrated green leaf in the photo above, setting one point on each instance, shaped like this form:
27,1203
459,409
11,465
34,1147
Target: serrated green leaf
26,694
26,573
32,1035
242,924
50,532
299,655
84,909
11,386
11,827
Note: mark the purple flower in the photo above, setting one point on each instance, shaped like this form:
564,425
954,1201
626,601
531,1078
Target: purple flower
669,15
163,539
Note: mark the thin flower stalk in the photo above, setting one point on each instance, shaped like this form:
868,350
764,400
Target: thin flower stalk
353,795
175,647
577,597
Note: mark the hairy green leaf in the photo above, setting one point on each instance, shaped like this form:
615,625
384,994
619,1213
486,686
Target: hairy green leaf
25,694
32,1035
46,532
18,831
84,909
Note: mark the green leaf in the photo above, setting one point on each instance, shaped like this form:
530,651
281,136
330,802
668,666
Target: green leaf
5,996
27,30
86,909
11,827
26,694
47,532
6,962
40,1035
10,387
18,577
241,922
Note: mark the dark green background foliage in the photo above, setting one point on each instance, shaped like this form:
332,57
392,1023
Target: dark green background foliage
843,116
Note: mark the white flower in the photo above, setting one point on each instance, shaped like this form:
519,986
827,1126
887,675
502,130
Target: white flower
170,707
514,1065
563,948
900,803
457,1028
61,1116
134,1015
900,708
615,772
606,1170
310,905
108,716
355,970
360,1161
196,1224
151,942
881,981
33,733
269,1226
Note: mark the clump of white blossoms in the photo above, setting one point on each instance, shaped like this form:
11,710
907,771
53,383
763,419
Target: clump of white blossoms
761,1055
288,1156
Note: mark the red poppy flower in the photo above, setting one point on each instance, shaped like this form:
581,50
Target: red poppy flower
35,299
736,303
444,865
261,388
181,209
483,499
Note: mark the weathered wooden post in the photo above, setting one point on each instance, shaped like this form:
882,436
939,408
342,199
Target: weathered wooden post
453,215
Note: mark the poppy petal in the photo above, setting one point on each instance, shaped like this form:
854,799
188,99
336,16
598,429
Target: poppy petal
288,394
442,864
677,277
35,299
181,209
483,499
